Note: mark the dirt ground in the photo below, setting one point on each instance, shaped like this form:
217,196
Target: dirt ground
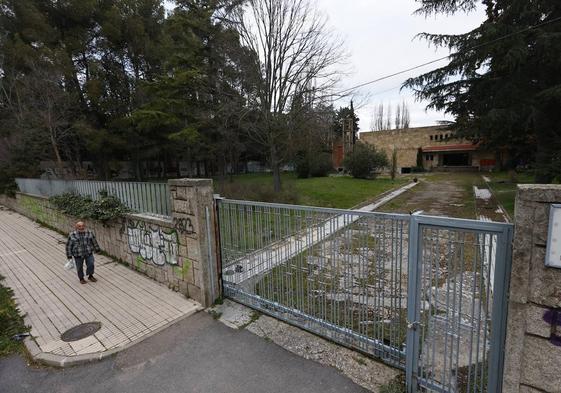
447,194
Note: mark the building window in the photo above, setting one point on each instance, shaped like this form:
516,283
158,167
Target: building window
441,136
431,137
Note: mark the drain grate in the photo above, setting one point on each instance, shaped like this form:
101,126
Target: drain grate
81,331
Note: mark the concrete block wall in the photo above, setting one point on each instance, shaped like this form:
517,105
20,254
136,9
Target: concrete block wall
178,252
533,342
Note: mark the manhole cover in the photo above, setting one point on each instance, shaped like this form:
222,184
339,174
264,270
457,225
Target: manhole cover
81,331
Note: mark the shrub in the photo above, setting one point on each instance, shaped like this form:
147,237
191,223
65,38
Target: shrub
11,322
315,164
106,208
302,166
393,168
364,161
419,157
8,185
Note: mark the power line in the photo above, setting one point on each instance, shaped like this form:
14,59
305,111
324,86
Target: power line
445,57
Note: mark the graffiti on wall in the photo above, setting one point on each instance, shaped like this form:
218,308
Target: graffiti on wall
153,244
553,318
184,225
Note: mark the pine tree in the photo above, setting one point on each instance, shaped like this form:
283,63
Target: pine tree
503,81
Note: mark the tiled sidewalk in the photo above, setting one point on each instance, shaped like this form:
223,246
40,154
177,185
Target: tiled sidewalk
128,305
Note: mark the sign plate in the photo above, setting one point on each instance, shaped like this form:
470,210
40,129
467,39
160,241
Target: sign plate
553,252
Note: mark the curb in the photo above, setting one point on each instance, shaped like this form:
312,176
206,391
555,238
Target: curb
387,197
499,204
63,361
380,199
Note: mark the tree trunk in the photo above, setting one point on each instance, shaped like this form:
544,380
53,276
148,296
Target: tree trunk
545,144
276,178
275,166
543,174
138,169
57,153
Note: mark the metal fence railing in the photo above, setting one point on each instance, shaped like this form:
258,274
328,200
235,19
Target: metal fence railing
425,294
141,197
340,274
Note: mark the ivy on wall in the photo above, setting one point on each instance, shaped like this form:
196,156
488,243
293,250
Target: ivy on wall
103,209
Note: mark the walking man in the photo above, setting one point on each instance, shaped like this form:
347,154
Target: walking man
81,245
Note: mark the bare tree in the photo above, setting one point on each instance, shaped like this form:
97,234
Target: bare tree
39,103
388,121
379,123
295,59
405,120
402,116
382,118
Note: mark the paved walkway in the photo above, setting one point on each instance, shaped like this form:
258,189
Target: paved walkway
198,354
129,306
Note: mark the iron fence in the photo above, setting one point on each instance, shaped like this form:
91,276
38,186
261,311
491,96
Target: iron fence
425,294
139,196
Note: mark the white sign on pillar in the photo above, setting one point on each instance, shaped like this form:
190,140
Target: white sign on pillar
553,251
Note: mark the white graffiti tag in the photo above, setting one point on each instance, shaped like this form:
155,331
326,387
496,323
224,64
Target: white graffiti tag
153,244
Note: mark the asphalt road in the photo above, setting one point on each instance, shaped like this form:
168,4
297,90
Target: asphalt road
197,354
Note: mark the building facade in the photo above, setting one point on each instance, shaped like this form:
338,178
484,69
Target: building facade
435,147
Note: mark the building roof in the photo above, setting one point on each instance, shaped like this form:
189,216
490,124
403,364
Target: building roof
458,147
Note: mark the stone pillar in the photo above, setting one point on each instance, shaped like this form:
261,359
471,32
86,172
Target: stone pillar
533,351
194,219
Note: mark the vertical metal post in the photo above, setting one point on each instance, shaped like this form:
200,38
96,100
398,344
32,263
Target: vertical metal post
499,312
218,243
211,265
413,313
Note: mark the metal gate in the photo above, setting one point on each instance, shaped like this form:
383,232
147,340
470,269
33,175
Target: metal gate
425,294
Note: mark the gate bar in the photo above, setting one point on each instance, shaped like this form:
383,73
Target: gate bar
503,266
413,311
376,343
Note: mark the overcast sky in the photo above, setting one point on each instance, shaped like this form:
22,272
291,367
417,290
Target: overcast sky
380,37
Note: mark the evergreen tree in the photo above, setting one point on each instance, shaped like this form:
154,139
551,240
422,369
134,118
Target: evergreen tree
503,81
347,112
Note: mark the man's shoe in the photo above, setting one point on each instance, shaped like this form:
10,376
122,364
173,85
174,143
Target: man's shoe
82,281
93,279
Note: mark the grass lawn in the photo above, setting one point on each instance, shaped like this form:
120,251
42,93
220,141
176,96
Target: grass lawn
11,323
338,192
504,187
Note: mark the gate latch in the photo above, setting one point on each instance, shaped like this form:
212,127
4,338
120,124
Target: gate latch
413,325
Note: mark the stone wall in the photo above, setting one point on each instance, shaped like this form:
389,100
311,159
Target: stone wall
407,142
179,251
533,343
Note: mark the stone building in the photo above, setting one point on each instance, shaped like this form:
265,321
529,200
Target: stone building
437,147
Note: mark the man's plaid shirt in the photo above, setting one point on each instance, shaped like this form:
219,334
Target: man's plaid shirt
81,244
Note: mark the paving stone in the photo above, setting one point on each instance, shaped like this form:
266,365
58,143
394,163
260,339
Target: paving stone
127,304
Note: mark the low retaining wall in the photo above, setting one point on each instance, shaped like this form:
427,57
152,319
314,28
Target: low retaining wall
178,251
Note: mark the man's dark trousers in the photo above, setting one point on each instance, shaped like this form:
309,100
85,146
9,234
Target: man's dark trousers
80,266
